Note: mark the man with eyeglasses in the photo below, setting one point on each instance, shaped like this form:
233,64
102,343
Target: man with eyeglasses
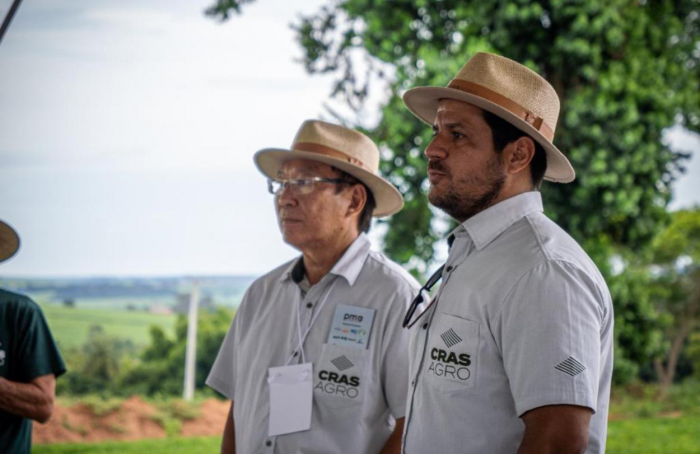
514,353
315,360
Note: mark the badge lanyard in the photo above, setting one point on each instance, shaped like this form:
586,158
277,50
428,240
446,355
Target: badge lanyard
301,337
291,392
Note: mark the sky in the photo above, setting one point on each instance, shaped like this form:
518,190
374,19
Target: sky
127,130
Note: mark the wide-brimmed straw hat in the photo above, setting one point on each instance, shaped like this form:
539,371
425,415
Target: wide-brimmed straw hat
507,89
9,241
345,149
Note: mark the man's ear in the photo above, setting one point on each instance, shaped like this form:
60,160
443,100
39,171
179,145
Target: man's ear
358,199
518,155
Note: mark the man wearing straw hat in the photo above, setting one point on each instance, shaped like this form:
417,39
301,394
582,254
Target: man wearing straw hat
29,362
315,360
514,353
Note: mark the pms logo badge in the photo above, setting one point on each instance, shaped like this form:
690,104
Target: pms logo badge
352,318
339,384
447,363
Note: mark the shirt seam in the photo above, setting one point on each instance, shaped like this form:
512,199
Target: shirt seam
536,232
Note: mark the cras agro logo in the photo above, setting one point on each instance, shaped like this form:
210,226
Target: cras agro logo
447,363
339,383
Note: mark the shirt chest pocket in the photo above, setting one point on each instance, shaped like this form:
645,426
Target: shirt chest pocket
340,376
451,361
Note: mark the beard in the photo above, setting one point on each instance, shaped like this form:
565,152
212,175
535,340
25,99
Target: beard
468,195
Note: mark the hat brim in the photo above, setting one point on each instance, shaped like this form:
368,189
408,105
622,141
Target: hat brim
389,200
423,103
9,241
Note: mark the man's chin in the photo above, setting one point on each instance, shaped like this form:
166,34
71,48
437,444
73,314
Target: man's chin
435,197
291,239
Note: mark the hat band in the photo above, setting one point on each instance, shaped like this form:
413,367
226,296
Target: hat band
331,152
531,118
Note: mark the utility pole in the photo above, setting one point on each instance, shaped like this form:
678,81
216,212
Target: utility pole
191,352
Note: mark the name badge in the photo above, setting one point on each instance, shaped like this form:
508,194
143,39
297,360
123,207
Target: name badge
291,396
351,326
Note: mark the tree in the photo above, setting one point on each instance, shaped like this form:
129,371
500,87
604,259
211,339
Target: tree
625,71
98,365
675,263
161,368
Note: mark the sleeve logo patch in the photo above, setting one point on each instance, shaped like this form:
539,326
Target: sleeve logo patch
570,367
450,338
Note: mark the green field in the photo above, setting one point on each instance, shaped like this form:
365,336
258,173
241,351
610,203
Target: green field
655,436
637,436
70,326
177,445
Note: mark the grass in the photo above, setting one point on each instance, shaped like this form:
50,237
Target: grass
654,436
70,326
647,400
175,445
635,436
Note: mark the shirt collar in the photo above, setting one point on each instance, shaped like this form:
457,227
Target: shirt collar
349,265
490,223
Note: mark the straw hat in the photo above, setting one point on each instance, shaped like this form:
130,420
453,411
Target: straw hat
511,91
345,149
9,241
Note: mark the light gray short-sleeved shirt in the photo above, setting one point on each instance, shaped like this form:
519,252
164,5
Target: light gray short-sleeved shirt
264,334
523,319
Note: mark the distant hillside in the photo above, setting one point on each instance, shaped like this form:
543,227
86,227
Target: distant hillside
130,293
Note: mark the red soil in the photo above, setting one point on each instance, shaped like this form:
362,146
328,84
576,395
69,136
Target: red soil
133,420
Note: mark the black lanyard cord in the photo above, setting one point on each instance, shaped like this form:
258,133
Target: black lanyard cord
432,281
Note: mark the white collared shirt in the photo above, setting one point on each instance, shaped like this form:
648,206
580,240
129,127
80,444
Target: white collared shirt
264,334
523,319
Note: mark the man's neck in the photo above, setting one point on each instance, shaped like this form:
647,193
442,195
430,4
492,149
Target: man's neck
505,194
320,259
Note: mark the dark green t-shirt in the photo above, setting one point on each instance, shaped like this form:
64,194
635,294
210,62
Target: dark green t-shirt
27,351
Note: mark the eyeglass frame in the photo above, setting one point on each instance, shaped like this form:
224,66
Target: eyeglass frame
286,183
418,300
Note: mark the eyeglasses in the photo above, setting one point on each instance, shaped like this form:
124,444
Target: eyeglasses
303,186
434,279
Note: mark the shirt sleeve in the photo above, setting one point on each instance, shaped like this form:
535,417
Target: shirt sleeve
549,333
222,377
37,349
394,371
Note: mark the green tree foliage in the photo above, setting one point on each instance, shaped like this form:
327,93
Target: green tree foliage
675,265
224,8
161,369
98,365
624,70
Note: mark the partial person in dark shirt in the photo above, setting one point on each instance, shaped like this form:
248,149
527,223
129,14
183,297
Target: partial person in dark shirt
29,362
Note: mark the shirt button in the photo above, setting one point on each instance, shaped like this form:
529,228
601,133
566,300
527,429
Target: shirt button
295,354
309,305
268,443
413,383
425,326
449,268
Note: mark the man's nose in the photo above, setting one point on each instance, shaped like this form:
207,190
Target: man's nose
285,196
435,149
